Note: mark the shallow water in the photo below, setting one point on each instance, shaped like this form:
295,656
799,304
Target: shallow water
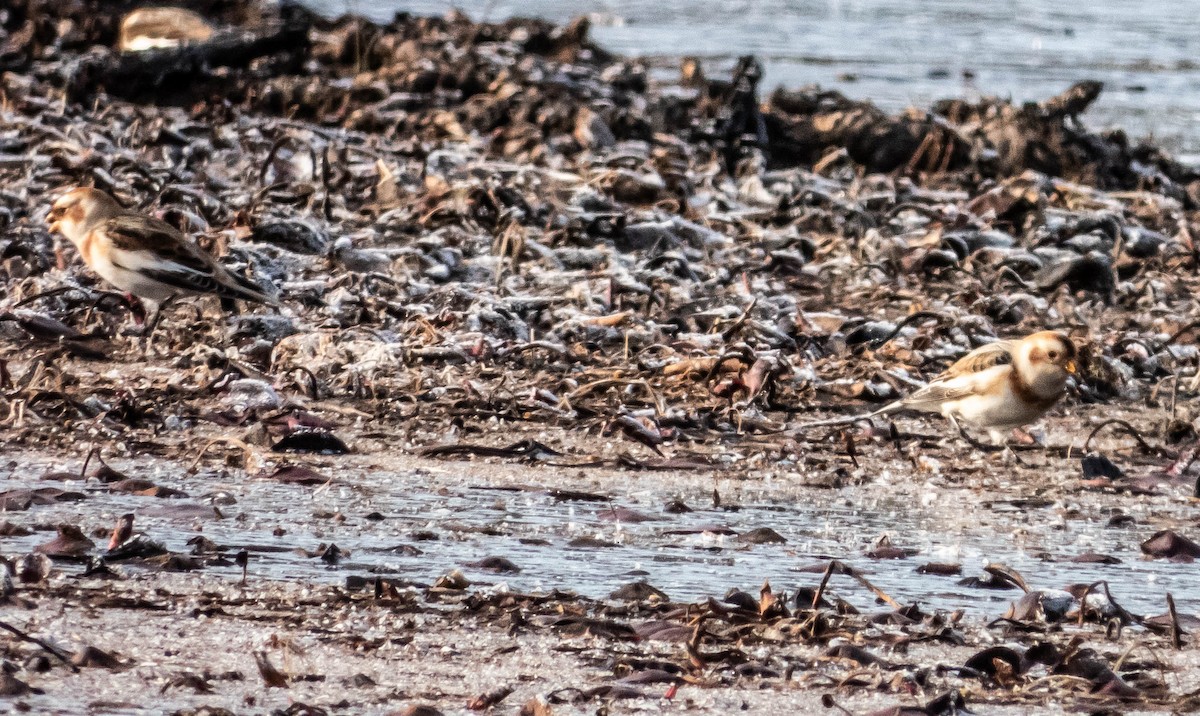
909,52
455,501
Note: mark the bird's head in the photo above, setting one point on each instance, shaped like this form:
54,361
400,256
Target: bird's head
1046,360
79,210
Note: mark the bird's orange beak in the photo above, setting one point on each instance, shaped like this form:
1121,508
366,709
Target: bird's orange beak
53,218
1071,367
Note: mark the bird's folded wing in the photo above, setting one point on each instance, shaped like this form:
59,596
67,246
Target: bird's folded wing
133,232
156,250
977,361
934,395
964,385
150,244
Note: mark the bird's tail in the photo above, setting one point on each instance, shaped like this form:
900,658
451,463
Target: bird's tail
889,408
238,286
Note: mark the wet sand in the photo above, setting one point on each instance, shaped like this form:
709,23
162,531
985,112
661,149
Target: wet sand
408,521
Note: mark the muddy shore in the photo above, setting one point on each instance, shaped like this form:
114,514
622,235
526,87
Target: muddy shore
521,437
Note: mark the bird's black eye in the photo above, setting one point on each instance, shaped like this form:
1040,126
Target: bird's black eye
1053,355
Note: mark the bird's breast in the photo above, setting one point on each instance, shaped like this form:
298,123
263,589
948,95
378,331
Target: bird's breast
1000,407
92,249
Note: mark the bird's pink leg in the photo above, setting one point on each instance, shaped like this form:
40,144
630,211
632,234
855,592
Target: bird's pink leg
1025,437
152,323
136,308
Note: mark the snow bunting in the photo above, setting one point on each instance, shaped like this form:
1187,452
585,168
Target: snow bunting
152,28
142,255
997,387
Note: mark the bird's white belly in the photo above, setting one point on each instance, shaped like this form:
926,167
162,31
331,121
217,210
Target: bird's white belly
1000,410
131,281
141,43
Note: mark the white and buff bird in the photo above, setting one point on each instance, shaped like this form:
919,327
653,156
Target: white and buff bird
142,255
997,387
152,28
